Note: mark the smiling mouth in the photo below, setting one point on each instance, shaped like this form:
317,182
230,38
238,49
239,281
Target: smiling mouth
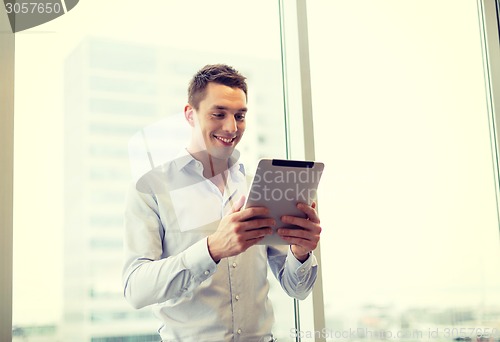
225,140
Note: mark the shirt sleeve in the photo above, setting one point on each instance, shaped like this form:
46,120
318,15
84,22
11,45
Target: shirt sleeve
149,277
297,279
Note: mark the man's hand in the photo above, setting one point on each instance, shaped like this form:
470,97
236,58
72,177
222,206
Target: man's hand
239,230
306,239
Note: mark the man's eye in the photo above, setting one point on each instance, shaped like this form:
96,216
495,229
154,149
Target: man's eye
218,115
240,117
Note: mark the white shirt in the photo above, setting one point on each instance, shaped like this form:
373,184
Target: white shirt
170,212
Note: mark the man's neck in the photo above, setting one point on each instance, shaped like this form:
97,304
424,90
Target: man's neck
211,166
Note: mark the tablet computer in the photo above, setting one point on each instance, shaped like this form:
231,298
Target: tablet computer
279,185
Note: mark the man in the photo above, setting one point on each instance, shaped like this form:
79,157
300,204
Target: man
191,249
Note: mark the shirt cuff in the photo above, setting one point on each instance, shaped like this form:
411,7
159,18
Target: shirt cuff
298,267
198,261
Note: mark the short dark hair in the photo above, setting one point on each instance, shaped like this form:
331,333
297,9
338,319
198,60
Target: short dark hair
216,73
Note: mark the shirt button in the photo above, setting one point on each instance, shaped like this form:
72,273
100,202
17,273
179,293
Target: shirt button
302,270
239,331
237,297
234,265
206,272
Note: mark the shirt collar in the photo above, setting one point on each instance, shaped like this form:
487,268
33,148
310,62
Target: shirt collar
182,159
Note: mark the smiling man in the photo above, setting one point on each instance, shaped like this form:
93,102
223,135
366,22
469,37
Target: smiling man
192,252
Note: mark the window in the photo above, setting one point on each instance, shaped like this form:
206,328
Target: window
408,203
92,85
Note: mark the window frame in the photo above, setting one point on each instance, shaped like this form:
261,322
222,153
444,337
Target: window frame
7,44
489,21
299,122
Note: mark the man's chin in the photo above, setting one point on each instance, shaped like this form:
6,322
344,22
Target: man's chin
222,154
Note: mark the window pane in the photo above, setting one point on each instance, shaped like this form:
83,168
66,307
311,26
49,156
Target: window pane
86,83
410,240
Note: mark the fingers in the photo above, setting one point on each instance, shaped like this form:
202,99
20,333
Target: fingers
305,239
297,235
248,213
311,222
234,237
300,236
310,211
303,229
252,219
255,227
244,239
307,232
258,233
303,223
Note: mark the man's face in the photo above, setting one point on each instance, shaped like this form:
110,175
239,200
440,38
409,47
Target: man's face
219,122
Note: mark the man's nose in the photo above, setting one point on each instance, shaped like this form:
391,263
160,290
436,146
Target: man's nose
230,124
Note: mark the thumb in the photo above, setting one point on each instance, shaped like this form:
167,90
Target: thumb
238,204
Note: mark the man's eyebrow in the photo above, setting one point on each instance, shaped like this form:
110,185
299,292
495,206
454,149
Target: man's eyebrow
240,110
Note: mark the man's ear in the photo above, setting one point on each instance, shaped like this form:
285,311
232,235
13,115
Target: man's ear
189,114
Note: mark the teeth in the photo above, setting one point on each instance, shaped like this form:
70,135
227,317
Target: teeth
225,139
